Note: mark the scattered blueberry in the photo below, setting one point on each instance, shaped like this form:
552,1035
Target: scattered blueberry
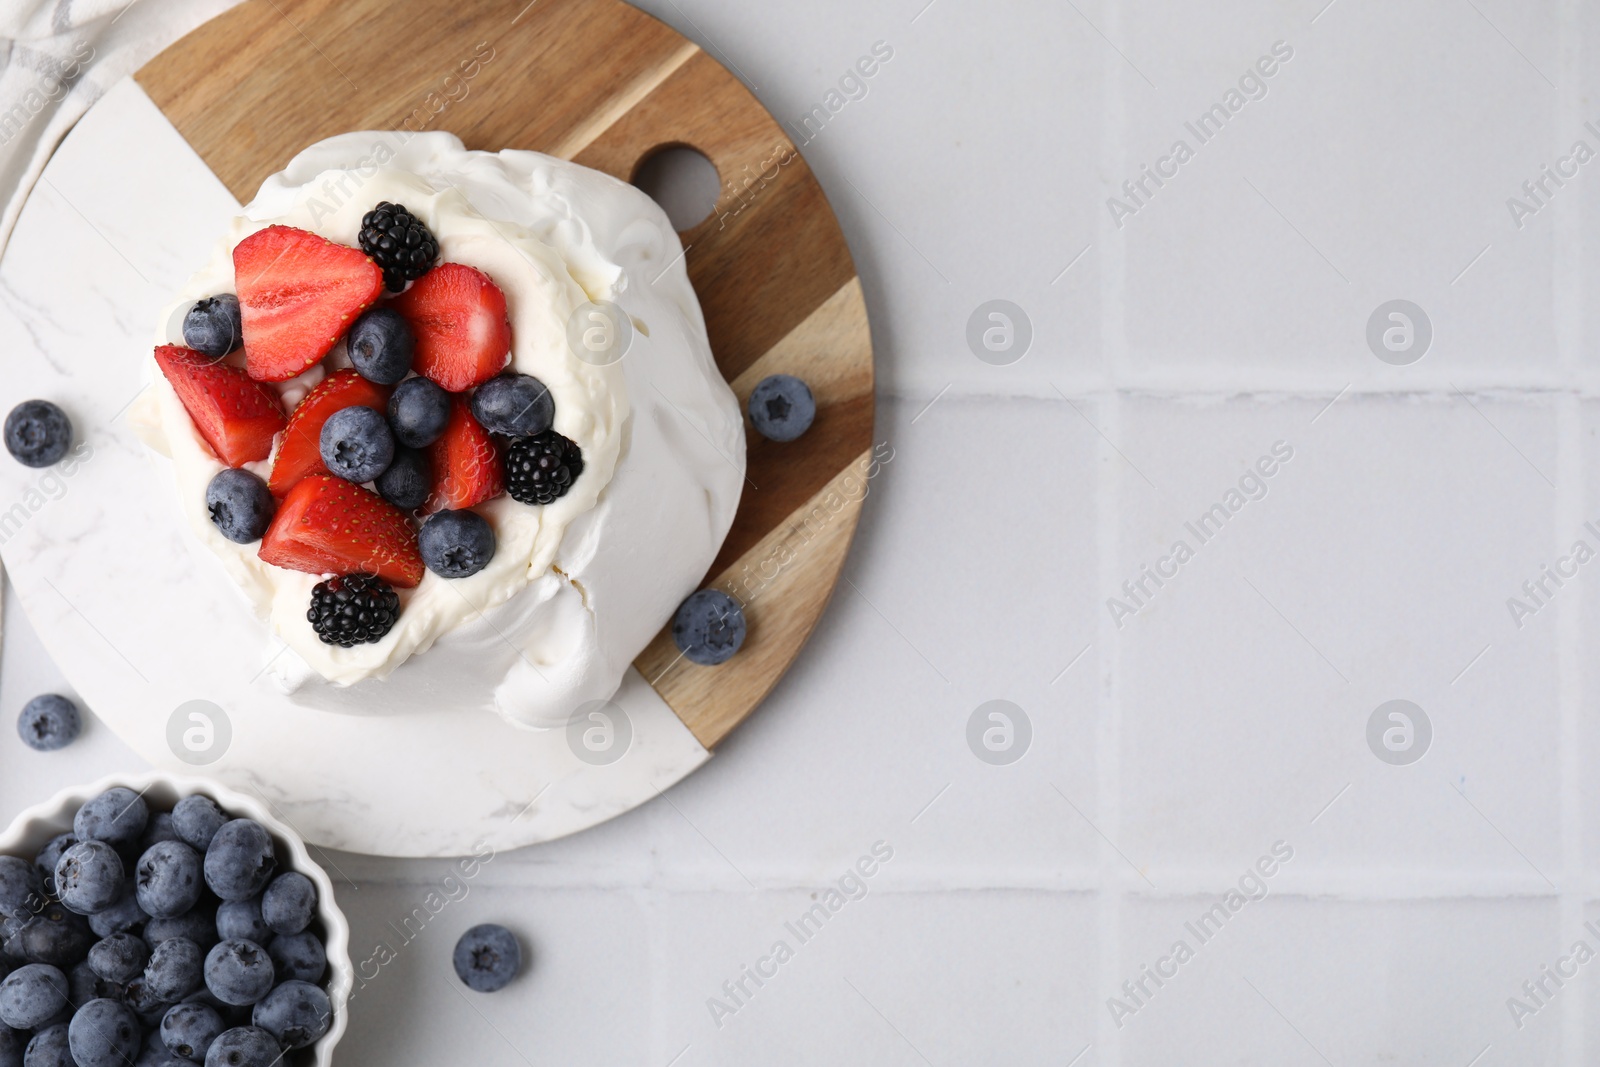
418,412
32,995
38,433
21,888
84,985
514,405
381,345
50,1047
55,936
168,879
174,970
199,926
709,627
782,407
240,861
456,544
296,1013
160,829
241,919
357,444
197,820
49,722
119,958
240,505
487,957
144,1000
117,816
122,916
188,1029
408,481
239,972
105,1033
298,957
213,327
46,860
89,877
244,1046
289,903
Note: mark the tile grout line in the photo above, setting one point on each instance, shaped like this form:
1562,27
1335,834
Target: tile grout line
1108,718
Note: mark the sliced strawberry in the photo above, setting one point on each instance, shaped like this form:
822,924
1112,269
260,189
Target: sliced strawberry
327,525
465,463
298,294
237,417
459,317
301,451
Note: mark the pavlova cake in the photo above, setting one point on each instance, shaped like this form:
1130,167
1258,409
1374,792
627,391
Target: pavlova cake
451,422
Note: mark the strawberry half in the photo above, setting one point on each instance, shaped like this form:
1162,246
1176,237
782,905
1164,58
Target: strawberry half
298,294
237,417
459,317
466,464
327,525
301,451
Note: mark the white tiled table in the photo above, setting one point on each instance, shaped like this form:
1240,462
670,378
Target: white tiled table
1230,713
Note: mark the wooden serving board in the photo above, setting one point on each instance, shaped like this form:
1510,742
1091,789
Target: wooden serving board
601,83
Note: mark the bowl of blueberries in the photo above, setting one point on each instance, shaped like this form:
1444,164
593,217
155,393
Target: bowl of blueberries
158,921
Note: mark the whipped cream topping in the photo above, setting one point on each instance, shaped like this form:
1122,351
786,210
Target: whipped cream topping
576,588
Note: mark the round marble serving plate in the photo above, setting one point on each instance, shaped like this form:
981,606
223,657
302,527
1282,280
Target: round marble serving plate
143,621
33,828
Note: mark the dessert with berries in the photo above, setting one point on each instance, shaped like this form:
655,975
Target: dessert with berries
387,420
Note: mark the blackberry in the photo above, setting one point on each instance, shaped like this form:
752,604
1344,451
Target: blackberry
540,469
353,610
399,243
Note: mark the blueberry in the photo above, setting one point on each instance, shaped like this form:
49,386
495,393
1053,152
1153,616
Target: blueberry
487,957
241,919
244,1046
84,985
55,936
240,861
418,412
239,972
240,505
168,879
709,627
117,816
47,857
31,995
456,544
213,327
89,877
782,407
37,433
141,996
197,820
174,970
408,481
199,926
296,1013
232,1015
188,1029
49,722
122,916
160,829
105,1033
357,444
119,958
50,1047
381,345
289,903
21,888
514,405
298,957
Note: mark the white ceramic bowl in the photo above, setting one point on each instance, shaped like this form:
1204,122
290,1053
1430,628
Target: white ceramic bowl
33,828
